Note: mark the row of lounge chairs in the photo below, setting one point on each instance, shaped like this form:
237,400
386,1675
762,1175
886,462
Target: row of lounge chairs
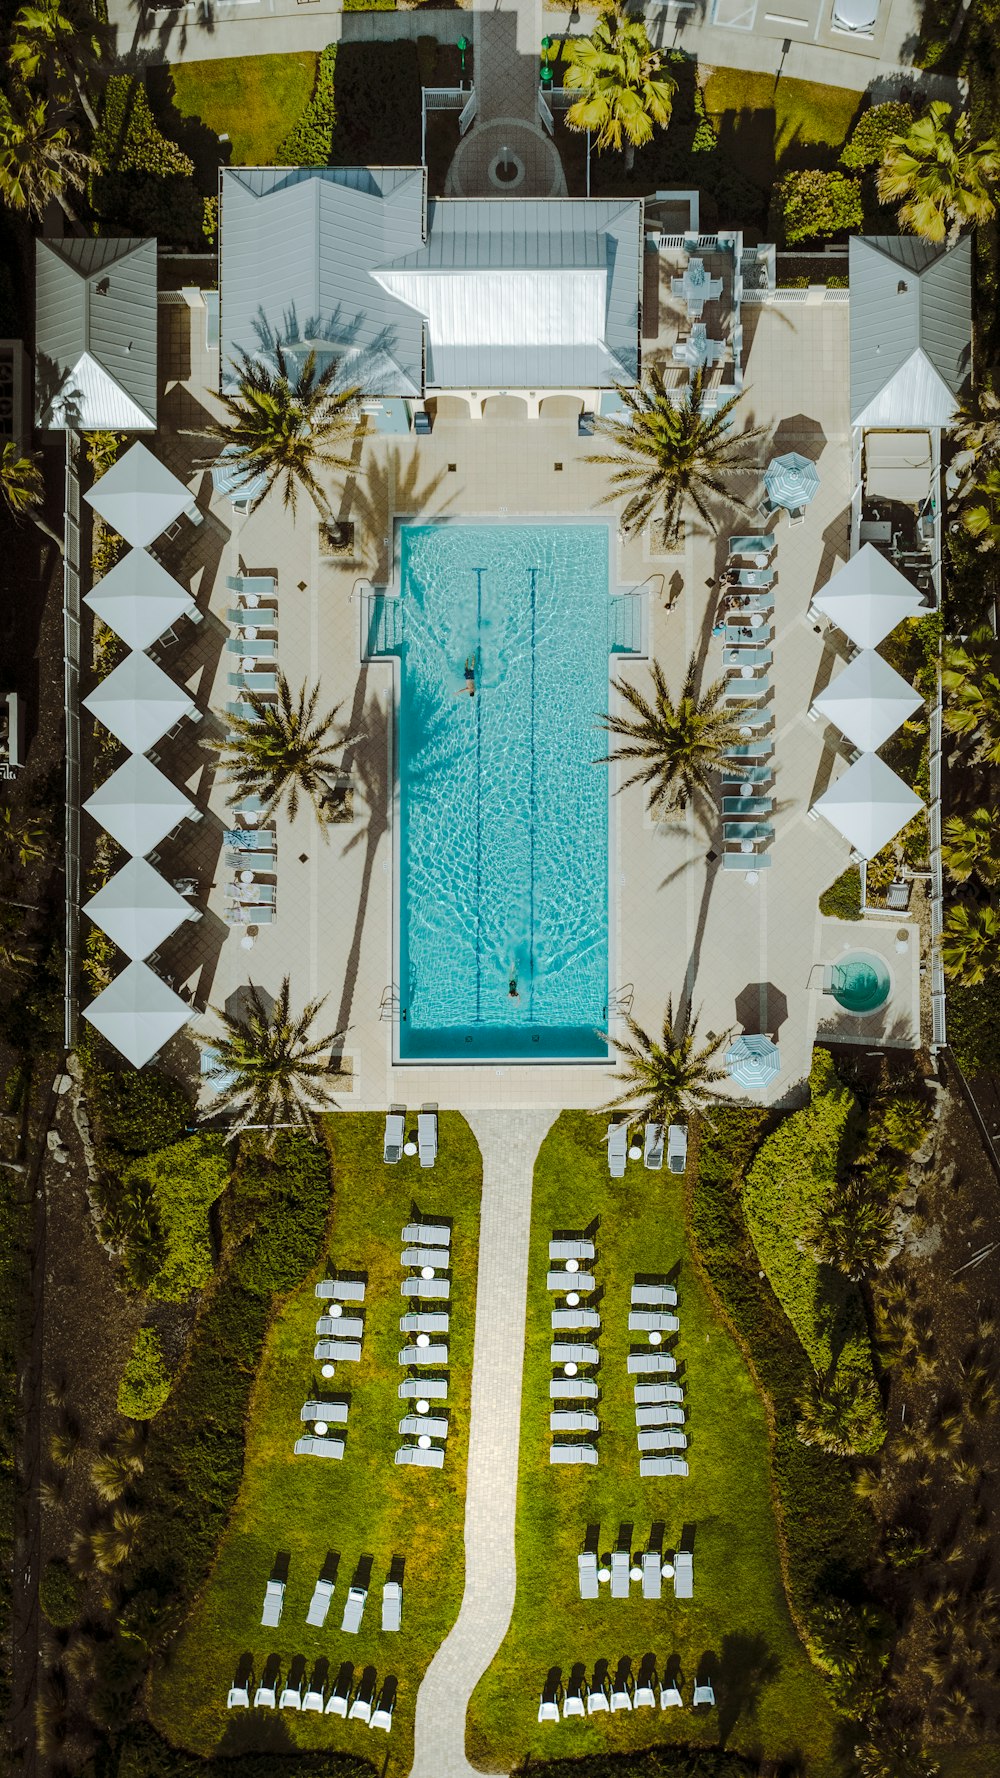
619,1572
365,1707
659,1422
319,1605
567,1256
581,1699
426,1257
652,1148
745,628
252,849
394,1139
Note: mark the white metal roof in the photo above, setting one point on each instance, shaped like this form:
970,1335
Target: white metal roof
534,306
869,804
95,333
137,909
911,329
868,597
139,496
138,806
868,700
138,1014
139,599
138,703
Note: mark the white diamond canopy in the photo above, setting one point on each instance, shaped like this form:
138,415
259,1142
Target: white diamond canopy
868,597
137,908
138,703
139,599
138,806
868,701
138,1014
139,497
869,805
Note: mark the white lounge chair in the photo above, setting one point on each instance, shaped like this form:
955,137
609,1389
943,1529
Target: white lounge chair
238,1699
573,1703
392,1605
587,1567
349,1350
435,1289
652,1151
617,1150
573,1420
567,1281
354,1606
274,1599
670,1698
644,1363
382,1716
571,1248
341,1290
650,1574
703,1694
419,1355
652,1321
291,1698
427,1137
573,1389
657,1466
319,1604
654,1296
683,1574
572,1454
597,1699
333,1412
265,1698
548,1709
571,1320
313,1700
413,1457
340,1327
653,1392
644,1698
361,1709
663,1439
431,1425
430,1234
424,1256
434,1388
392,1141
337,1702
429,1321
620,1698
677,1148
664,1415
573,1352
621,1563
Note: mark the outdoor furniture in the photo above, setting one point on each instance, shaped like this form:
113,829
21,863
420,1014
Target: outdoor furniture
652,1153
573,1704
677,1148
429,1234
621,1562
419,1355
252,647
361,1709
747,862
250,586
333,1412
258,894
663,1439
417,1458
791,481
758,543
572,1454
644,1697
251,839
751,750
429,1321
429,1287
313,1699
312,1446
739,691
654,1296
392,1141
747,807
238,1698
753,1061
661,1415
574,1248
291,1698
697,350
752,722
755,577
650,1574
251,858
756,831
597,1699
349,1350
643,1363
265,1698
656,1392
565,1320
319,1604
337,1702
620,1699
341,1290
423,1256
670,1698
548,1708
274,1599
382,1714
244,681
257,617
354,1606
617,1149
573,1420
423,1426
703,1694
747,774
573,1389
695,288
566,1281
431,1388
392,1605
661,1466
652,1321
427,1137
561,1352
343,1327
683,1574
748,653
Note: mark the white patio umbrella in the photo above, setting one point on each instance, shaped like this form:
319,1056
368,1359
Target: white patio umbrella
138,703
139,497
138,1014
138,909
139,599
868,597
868,701
753,1060
138,806
868,805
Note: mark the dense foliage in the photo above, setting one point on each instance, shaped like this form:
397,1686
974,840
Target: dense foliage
142,1753
60,1593
145,1382
310,142
813,204
140,1109
868,139
653,1762
843,898
145,182
378,105
157,1213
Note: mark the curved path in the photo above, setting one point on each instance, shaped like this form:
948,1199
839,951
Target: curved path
509,1142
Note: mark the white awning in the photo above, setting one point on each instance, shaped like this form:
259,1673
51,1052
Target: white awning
869,805
868,597
138,806
868,701
898,466
139,600
138,909
139,497
138,703
138,1014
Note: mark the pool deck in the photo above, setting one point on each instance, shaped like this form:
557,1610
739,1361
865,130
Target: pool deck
680,926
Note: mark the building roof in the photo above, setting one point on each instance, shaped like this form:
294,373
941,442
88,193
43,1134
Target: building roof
138,1013
869,804
95,326
911,329
868,700
137,909
504,292
137,702
868,597
138,599
139,496
137,805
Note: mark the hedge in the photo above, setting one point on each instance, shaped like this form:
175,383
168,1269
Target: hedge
868,140
60,1594
140,1109
309,143
142,1753
176,1187
812,204
654,1762
973,1027
843,898
144,181
145,1383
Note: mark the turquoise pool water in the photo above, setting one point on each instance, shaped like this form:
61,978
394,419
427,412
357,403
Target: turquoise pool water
503,834
861,982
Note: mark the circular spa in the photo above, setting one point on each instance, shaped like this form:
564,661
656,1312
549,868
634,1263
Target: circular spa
860,982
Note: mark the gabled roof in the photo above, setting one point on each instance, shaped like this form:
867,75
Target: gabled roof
137,909
139,599
139,496
138,1013
869,804
137,805
867,597
911,329
137,702
95,326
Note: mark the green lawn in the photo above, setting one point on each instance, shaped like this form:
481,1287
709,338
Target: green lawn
769,1696
805,111
255,100
363,1506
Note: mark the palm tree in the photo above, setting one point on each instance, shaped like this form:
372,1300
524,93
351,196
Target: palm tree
939,176
671,453
679,745
50,31
893,1750
971,845
286,430
970,675
668,1075
283,750
854,1233
981,516
624,87
842,1416
37,159
970,943
23,489
977,427
270,1071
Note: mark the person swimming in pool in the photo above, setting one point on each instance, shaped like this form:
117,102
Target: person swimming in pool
470,678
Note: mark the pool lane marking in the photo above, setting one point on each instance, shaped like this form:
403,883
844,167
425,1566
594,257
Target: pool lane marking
478,702
533,575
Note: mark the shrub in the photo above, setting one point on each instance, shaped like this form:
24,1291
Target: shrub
142,1753
867,143
210,218
144,181
107,549
179,1185
145,1382
812,204
843,898
278,1214
141,1109
60,1593
973,1027
654,1762
309,143
127,139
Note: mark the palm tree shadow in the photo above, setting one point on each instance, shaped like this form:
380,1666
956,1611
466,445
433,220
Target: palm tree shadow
369,762
392,485
746,1665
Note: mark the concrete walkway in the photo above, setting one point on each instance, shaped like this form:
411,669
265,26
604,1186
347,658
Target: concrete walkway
509,1142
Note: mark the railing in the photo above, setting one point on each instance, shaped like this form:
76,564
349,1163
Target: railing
627,623
545,111
71,711
446,98
468,113
807,293
381,626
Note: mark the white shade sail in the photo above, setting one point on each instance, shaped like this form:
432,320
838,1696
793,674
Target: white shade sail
138,909
868,597
139,599
138,1014
139,497
869,805
138,806
868,701
138,703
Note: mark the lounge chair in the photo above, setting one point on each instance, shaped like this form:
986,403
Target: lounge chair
274,1599
587,1575
319,1604
567,1281
427,1137
564,1320
572,1453
650,1574
597,1699
621,1563
436,1289
573,1702
703,1694
434,1425
340,1327
428,1321
341,1290
652,1321
412,1457
424,1256
548,1709
652,1151
645,1393
573,1420
349,1350
392,1141
361,1709
670,1698
252,585
382,1714
337,1702
654,1296
657,1466
333,1412
620,1696
309,1445
677,1148
238,1698
573,1389
659,1416
354,1606
640,1363
430,1234
392,1605
291,1698
265,1697
418,1355
746,861
644,1698
571,1249
617,1150
663,1439
683,1574
576,1352
313,1699
431,1388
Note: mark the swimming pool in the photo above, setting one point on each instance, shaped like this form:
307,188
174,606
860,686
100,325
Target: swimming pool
503,814
860,982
